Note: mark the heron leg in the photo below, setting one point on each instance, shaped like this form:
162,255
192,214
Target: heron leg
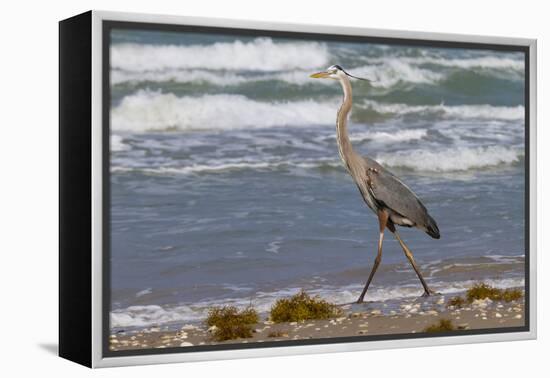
408,253
382,220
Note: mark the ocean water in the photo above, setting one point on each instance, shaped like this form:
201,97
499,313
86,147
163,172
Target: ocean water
227,188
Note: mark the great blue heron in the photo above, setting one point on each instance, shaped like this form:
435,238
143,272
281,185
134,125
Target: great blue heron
392,201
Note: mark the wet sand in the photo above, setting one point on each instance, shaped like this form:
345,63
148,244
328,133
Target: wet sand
410,316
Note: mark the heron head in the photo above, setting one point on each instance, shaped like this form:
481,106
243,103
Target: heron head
334,72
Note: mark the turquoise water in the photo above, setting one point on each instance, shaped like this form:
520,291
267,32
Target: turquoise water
227,187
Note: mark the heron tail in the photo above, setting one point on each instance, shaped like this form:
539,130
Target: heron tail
432,229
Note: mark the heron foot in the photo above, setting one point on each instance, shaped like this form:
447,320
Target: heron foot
429,292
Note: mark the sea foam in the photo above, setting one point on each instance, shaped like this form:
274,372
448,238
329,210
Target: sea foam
260,54
117,143
132,65
148,110
154,315
483,111
220,78
394,71
383,76
389,137
452,159
491,62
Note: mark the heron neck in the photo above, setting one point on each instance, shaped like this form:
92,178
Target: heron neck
344,144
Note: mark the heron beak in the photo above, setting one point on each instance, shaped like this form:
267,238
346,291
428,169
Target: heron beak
320,75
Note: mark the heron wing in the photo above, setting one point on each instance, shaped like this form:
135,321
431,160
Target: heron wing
392,193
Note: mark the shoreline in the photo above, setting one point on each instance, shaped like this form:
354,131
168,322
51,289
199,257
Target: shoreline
370,318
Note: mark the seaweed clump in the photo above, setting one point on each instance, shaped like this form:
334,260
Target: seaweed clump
227,322
456,302
302,307
277,334
444,325
483,291
510,295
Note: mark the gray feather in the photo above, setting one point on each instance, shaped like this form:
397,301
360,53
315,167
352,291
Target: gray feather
390,192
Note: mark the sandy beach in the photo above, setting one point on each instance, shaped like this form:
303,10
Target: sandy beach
409,316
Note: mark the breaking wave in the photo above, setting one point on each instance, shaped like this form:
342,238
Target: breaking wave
261,54
453,159
146,110
262,59
389,137
448,160
486,112
149,110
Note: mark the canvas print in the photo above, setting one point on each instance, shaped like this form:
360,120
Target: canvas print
277,190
